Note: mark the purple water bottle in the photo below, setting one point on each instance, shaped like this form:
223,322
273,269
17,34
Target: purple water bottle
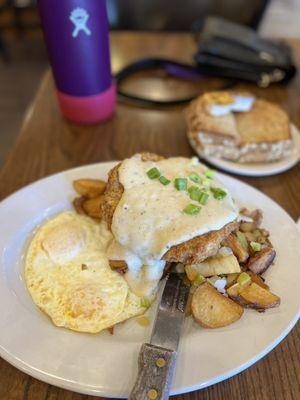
76,34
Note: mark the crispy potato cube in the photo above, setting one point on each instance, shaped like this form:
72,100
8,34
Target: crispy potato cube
188,308
258,280
261,260
247,226
216,265
238,250
213,310
89,188
250,237
231,279
258,297
93,207
234,290
191,271
255,215
78,205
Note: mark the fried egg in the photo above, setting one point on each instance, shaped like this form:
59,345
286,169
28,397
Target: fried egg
69,278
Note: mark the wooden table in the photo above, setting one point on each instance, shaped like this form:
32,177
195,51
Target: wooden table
48,144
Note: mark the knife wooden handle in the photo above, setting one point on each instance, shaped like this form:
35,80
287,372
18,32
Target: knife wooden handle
156,368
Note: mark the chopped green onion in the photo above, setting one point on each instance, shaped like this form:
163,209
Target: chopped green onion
199,280
244,279
209,173
195,177
218,193
255,246
164,180
180,183
206,182
203,198
198,195
192,209
242,239
145,302
153,173
194,193
204,189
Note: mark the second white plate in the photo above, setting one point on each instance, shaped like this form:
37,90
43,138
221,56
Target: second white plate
260,169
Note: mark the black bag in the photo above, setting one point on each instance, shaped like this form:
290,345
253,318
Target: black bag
230,50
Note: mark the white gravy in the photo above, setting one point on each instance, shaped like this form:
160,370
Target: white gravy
149,218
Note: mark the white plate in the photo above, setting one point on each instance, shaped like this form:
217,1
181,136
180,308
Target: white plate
106,365
259,169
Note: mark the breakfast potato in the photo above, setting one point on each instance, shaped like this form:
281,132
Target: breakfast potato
188,308
258,297
259,236
231,279
261,260
233,291
258,280
213,310
235,286
93,207
216,265
247,227
237,247
78,205
255,215
253,296
90,188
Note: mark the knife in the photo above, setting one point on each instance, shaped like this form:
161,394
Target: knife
156,363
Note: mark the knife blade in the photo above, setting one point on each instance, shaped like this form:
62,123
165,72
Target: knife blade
156,364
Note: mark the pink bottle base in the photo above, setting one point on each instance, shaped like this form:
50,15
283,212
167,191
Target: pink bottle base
89,109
